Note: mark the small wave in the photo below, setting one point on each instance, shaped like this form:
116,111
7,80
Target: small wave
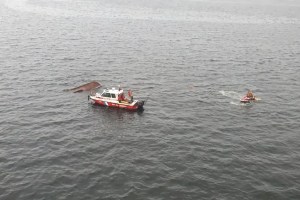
241,104
67,59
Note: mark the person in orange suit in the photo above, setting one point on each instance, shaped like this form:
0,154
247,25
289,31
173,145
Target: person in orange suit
250,94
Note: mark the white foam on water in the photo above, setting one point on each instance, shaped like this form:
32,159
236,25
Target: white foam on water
231,94
234,103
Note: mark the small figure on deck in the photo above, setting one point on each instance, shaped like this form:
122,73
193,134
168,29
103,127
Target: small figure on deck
130,95
121,97
250,94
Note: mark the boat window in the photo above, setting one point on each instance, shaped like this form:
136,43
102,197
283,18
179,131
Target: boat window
106,95
113,96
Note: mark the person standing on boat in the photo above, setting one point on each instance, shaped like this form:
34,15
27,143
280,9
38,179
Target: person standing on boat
250,94
130,95
121,97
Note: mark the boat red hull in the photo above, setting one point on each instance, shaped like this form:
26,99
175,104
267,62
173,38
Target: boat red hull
246,99
123,105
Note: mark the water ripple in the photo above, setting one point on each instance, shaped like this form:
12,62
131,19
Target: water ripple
191,60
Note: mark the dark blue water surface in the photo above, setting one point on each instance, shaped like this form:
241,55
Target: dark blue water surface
191,59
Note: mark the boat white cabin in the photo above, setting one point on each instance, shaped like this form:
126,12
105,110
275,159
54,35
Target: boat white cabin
116,98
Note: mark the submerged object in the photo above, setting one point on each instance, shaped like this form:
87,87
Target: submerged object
86,87
116,98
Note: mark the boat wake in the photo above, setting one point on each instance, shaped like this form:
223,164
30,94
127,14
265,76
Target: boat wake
236,97
231,94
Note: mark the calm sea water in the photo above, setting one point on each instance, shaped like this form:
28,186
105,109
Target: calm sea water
191,59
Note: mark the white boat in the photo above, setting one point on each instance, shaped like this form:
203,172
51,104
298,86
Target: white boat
116,98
